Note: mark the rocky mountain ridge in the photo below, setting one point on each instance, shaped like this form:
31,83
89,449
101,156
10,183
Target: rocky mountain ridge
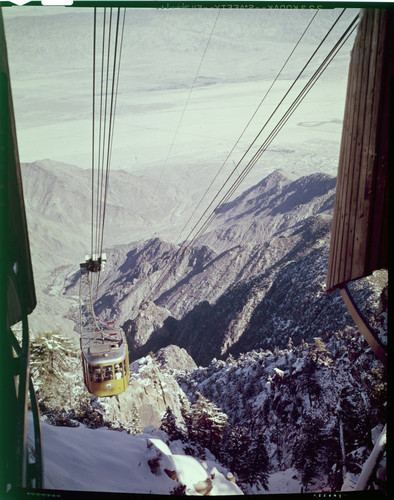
279,202
253,288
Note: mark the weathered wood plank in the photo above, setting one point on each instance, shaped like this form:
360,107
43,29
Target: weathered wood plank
349,139
362,203
379,232
360,118
338,222
359,238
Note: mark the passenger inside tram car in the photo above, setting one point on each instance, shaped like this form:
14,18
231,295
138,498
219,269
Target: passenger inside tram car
118,371
108,373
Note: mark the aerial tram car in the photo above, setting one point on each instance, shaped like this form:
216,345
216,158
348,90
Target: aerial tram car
104,351
105,355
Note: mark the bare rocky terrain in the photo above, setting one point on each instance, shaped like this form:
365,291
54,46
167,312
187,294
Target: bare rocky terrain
254,280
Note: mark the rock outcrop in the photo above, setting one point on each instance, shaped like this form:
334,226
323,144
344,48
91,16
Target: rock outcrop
151,391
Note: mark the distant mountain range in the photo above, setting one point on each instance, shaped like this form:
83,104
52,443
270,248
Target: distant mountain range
256,279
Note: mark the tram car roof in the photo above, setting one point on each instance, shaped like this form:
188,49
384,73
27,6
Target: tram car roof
104,346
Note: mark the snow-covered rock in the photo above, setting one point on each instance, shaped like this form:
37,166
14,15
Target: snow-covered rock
103,460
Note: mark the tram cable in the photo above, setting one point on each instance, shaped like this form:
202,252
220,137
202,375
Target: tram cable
185,106
108,70
248,123
103,185
278,127
105,358
93,128
266,123
338,45
110,130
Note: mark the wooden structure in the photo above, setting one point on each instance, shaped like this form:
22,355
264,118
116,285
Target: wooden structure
359,234
359,237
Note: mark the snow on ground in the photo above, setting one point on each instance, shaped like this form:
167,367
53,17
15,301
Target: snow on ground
284,482
103,460
83,459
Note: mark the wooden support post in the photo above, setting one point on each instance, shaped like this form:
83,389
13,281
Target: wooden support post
363,325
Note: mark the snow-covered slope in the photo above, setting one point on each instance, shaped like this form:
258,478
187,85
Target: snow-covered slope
299,398
292,403
103,460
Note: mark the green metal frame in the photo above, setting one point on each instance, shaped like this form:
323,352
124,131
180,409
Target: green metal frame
26,472
17,300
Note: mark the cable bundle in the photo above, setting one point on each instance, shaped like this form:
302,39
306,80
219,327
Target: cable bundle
107,50
210,213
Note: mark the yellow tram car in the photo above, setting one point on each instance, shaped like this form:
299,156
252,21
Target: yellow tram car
105,361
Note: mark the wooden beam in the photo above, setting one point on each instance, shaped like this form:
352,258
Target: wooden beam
363,326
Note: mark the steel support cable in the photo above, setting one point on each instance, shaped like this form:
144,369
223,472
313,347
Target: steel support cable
105,149
247,125
117,77
105,64
100,130
100,133
93,128
114,92
184,245
104,153
246,170
104,130
184,108
87,317
110,130
267,122
278,127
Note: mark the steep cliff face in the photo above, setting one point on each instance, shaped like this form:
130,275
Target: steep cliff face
277,203
174,358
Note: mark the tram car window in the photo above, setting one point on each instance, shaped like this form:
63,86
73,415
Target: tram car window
97,374
118,371
108,372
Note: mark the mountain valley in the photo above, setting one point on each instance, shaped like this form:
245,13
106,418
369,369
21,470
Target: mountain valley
243,371
259,282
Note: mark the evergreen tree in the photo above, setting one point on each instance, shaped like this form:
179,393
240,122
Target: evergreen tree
308,448
209,423
134,423
236,451
319,352
351,411
308,382
188,419
259,461
54,361
168,425
230,359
